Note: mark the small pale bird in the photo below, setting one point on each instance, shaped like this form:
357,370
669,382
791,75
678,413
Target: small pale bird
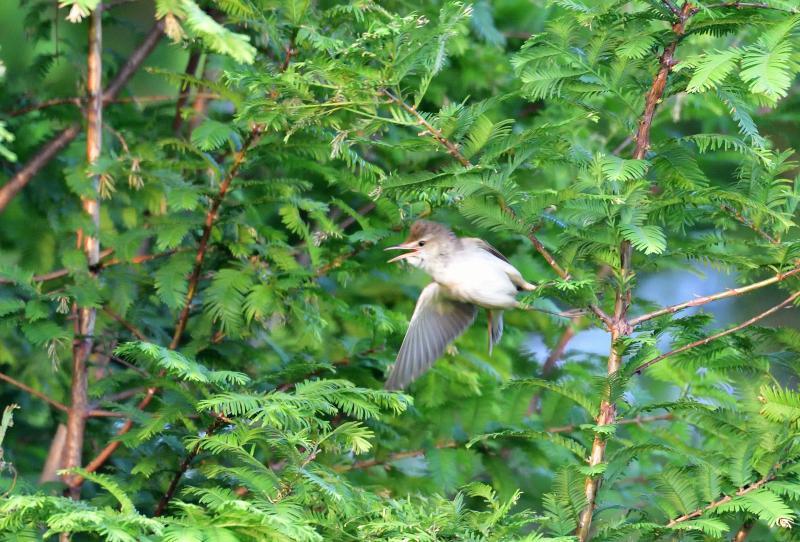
467,273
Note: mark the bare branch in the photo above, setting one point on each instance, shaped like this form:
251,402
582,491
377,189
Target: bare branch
66,136
127,325
744,531
89,241
733,292
35,393
716,336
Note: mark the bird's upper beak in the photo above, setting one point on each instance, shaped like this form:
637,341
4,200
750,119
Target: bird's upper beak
411,246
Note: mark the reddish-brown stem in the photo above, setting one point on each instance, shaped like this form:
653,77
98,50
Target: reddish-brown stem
550,363
732,292
66,136
191,68
127,325
744,531
716,336
620,327
727,498
86,316
431,130
35,393
182,468
749,223
367,463
194,279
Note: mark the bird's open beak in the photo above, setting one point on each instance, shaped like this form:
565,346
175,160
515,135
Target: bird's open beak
411,247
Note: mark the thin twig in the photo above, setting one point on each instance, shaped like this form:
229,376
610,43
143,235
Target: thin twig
191,68
182,468
194,279
79,102
751,5
672,7
732,292
35,393
127,325
66,136
434,132
749,223
727,498
367,463
716,336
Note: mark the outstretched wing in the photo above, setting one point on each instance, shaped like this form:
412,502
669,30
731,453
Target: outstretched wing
436,322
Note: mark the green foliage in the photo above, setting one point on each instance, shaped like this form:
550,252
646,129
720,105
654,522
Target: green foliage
250,234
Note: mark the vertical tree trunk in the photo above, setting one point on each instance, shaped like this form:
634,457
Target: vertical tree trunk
90,243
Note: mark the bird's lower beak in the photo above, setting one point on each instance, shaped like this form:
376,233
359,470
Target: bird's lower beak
411,247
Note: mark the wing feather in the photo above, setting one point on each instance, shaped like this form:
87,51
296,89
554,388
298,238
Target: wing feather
436,322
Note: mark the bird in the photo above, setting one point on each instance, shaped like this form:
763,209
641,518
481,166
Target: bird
467,273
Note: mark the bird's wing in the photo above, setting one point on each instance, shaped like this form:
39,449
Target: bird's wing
480,243
436,322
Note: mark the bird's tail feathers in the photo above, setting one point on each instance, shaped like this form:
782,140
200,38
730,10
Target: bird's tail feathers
495,328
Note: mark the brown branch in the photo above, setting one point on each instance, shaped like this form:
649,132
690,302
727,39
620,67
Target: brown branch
727,498
35,393
752,5
182,468
672,7
435,133
78,102
58,273
66,136
194,279
748,223
716,336
367,463
550,363
127,325
733,292
90,243
619,326
744,531
191,68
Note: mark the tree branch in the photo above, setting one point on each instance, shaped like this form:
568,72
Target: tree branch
66,136
727,498
194,280
35,393
716,336
182,468
191,68
375,461
748,223
619,326
733,292
90,243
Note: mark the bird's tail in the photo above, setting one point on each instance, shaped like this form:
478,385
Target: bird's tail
495,328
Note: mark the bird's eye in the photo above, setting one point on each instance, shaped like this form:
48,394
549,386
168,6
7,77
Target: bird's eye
422,243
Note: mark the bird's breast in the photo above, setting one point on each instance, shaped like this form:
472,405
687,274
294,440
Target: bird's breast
473,278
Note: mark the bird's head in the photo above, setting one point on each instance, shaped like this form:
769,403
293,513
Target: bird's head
425,240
